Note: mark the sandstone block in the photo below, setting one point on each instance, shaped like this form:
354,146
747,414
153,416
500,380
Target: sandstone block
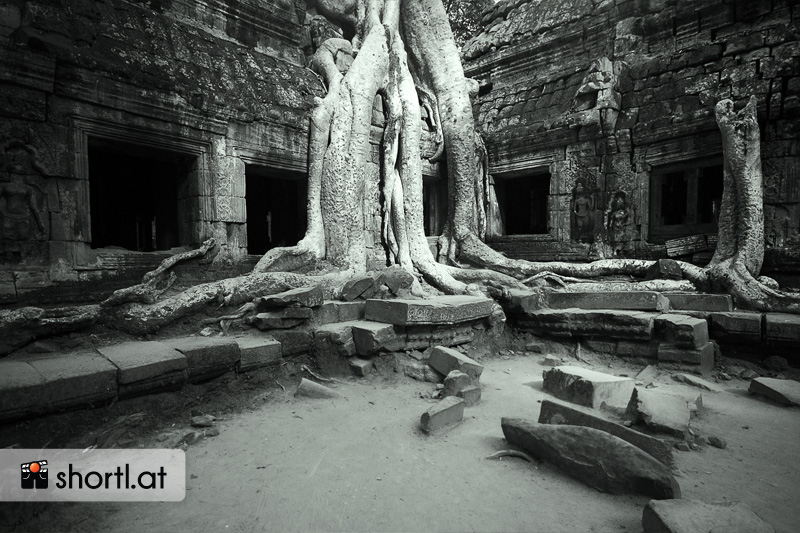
522,301
361,367
736,325
615,324
312,389
691,516
21,388
445,360
436,310
681,330
362,285
471,395
447,412
75,379
146,366
397,279
206,357
661,412
704,356
300,297
634,300
336,338
599,459
421,337
638,349
785,391
294,341
587,387
551,360
418,370
695,381
455,382
664,269
255,352
700,302
373,337
275,320
558,413
782,327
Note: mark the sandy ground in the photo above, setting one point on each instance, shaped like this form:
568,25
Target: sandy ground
360,463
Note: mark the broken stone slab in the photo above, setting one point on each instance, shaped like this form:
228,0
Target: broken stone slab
206,357
445,360
695,381
296,312
700,302
471,395
398,280
300,297
599,459
661,412
414,369
587,387
681,330
146,367
455,382
633,300
435,310
782,327
335,339
703,356
312,389
274,320
558,413
371,338
648,374
664,269
524,301
447,412
617,324
551,360
202,421
74,379
255,352
692,516
335,311
294,341
736,325
785,391
363,284
361,367
421,337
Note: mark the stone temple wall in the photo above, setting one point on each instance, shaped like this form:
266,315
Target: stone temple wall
216,85
615,99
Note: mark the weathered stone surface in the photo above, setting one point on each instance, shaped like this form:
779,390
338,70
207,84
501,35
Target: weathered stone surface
397,279
445,360
551,360
717,442
421,337
146,366
597,458
633,300
206,357
558,413
74,379
202,421
782,327
455,382
336,338
647,374
736,325
361,367
594,323
471,395
255,352
681,330
695,381
302,297
437,310
274,320
700,302
785,391
374,337
693,516
703,357
296,312
660,412
294,341
664,269
418,370
447,412
638,349
311,389
587,387
358,286
335,311
522,301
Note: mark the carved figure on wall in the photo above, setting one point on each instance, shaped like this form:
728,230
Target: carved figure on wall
582,214
20,216
619,224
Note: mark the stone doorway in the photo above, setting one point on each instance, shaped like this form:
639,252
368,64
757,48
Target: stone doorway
523,203
276,207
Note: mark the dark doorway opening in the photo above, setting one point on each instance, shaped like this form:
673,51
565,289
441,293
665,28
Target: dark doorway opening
523,203
434,205
276,208
133,192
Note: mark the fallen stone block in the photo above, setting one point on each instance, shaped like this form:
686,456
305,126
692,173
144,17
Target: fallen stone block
599,459
782,327
703,357
523,301
693,516
558,413
255,352
535,347
146,367
681,330
300,297
336,338
335,311
587,387
398,280
445,360
75,379
633,300
785,391
648,374
436,310
202,421
661,412
294,341
312,389
664,269
274,320
551,360
373,337
455,382
418,370
361,367
736,325
363,284
695,381
206,357
447,412
700,302
471,395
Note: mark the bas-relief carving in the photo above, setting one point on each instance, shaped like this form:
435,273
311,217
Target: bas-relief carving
584,215
620,225
782,225
23,203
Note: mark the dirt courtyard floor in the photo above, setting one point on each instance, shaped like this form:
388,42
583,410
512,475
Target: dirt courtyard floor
360,462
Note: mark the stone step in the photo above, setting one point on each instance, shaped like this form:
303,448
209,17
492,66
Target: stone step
736,326
703,356
436,310
336,311
699,302
256,352
206,357
146,367
781,327
624,300
681,330
635,325
588,387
